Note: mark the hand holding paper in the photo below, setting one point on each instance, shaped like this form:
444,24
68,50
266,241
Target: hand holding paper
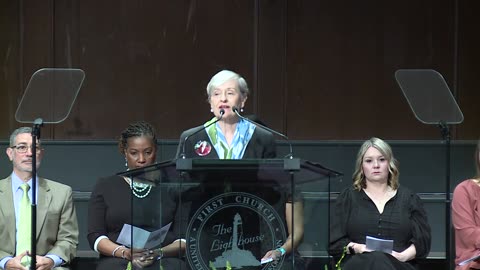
142,239
267,260
378,244
474,258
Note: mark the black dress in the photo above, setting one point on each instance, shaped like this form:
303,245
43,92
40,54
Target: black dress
403,220
110,207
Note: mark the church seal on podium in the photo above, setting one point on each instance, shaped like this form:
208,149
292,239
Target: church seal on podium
234,229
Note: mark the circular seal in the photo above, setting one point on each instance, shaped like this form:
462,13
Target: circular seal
202,148
234,229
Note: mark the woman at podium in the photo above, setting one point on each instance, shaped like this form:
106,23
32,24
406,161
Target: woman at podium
228,135
378,224
111,207
466,220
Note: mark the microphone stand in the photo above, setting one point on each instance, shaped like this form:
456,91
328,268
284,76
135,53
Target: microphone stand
448,234
222,112
290,165
290,154
183,164
37,124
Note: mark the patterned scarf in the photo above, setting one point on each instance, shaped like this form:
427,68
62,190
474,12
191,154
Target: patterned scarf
243,134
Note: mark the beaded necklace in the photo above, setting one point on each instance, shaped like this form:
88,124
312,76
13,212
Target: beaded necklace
139,188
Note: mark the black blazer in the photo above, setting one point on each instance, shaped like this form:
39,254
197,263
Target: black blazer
261,145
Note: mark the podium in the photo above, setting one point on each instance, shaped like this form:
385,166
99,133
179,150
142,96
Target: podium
230,213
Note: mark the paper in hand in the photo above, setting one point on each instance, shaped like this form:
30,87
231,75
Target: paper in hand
378,244
142,238
267,260
476,257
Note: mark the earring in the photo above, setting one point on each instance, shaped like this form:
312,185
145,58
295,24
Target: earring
126,163
241,109
211,110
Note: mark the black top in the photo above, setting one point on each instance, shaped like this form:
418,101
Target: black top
261,145
110,207
403,220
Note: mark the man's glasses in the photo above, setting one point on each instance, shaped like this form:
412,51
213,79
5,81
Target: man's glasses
23,148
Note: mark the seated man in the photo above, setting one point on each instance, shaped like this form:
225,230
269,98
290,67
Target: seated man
57,228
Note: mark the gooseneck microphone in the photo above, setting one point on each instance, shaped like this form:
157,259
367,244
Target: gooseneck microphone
222,112
290,155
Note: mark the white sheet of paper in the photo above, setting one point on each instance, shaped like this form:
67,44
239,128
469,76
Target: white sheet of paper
142,238
379,244
476,257
267,260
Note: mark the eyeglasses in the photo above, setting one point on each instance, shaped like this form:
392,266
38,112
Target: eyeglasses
23,148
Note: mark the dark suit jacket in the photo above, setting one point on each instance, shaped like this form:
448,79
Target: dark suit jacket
261,145
57,227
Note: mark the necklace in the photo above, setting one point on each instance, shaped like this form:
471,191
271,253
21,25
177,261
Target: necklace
139,188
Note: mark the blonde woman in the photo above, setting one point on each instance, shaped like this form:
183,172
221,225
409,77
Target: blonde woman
377,206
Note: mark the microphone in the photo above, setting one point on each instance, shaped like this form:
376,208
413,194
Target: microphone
290,155
222,112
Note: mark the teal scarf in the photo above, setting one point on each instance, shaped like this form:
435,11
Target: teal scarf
243,134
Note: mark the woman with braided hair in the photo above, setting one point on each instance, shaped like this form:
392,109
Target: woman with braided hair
110,206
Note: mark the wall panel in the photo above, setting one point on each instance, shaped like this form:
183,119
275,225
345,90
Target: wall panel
341,62
318,70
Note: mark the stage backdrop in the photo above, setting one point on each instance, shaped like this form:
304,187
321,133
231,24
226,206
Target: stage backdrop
317,70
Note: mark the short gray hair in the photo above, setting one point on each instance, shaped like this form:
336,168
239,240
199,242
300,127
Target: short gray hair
226,75
18,131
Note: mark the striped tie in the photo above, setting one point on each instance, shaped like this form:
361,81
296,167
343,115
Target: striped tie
24,240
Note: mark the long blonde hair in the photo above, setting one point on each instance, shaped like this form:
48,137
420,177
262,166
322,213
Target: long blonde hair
359,180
